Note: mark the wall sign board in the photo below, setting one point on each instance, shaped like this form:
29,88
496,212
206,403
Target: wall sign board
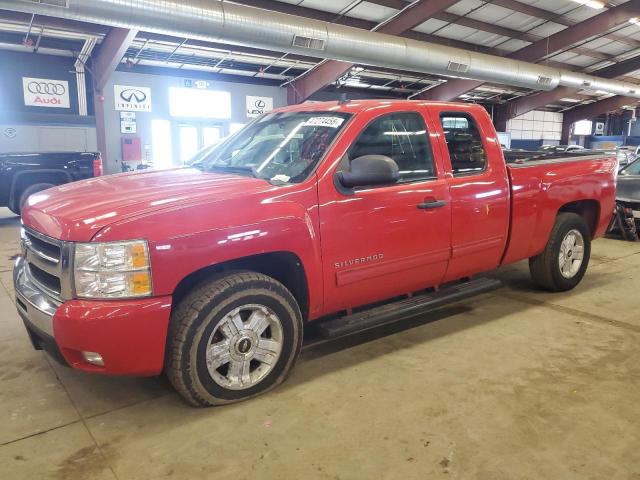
132,99
45,92
256,106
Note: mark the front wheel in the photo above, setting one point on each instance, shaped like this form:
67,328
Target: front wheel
233,338
564,261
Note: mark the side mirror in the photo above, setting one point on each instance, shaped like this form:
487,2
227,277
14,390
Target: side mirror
370,170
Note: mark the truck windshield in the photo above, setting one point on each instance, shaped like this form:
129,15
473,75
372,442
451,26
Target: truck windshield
280,147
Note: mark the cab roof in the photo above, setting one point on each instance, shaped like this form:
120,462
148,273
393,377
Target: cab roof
357,106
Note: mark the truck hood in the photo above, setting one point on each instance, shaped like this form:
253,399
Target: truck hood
628,188
77,211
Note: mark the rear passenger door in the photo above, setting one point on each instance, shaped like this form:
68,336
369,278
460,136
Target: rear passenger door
479,190
382,241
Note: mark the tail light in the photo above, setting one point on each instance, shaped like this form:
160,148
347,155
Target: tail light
97,166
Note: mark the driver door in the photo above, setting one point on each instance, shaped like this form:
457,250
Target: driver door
379,242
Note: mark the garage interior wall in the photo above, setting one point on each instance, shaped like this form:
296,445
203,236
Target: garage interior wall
37,129
159,86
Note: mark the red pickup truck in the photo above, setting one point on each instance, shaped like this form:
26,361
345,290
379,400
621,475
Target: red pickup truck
341,215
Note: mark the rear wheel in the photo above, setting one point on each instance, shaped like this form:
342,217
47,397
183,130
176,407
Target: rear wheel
30,190
233,338
565,259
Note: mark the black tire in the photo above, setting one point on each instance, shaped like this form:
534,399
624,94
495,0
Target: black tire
30,190
194,322
545,268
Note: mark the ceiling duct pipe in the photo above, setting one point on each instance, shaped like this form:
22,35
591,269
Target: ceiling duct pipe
253,27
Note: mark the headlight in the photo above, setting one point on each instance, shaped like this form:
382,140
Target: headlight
112,270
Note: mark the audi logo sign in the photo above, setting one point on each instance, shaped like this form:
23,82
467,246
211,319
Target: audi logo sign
132,99
44,92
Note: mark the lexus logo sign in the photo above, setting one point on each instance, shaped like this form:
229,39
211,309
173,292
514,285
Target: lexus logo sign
43,92
132,99
256,106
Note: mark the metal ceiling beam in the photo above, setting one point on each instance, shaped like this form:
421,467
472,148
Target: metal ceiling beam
543,14
112,49
316,14
530,10
523,105
545,47
61,23
592,110
579,32
328,72
495,29
259,28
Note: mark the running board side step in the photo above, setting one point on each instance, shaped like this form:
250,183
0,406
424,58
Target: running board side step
397,310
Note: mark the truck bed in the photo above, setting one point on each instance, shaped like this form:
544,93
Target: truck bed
543,184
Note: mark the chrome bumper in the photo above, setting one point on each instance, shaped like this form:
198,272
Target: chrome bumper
34,306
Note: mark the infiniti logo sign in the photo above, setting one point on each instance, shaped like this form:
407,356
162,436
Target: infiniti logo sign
132,95
132,99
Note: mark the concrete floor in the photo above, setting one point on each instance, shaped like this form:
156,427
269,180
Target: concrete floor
517,384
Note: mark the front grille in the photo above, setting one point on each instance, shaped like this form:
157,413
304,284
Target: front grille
49,251
46,262
49,283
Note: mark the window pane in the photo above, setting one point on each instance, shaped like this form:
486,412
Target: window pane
188,142
464,143
401,137
211,136
161,143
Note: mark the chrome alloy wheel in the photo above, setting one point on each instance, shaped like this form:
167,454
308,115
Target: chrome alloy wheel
244,347
571,253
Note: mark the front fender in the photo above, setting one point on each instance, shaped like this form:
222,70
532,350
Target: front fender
189,239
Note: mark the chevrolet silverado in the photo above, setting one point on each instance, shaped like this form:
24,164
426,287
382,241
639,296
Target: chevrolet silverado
334,215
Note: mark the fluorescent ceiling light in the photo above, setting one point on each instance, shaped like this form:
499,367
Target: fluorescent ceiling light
635,21
597,4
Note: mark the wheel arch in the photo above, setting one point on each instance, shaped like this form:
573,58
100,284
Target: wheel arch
588,209
284,266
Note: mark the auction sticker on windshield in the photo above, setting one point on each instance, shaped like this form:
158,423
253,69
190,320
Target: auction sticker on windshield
332,122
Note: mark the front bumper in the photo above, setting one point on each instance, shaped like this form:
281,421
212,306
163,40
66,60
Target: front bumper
130,335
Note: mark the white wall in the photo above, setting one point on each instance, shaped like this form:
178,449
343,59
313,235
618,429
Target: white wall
46,138
536,125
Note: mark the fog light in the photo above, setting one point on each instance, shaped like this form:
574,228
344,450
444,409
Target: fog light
93,358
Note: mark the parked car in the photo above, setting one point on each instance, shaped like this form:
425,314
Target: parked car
338,215
628,193
626,156
561,148
23,174
635,149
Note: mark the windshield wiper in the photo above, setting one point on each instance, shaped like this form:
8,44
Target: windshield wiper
199,165
235,169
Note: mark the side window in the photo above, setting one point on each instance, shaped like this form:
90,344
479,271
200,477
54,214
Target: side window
464,143
401,137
